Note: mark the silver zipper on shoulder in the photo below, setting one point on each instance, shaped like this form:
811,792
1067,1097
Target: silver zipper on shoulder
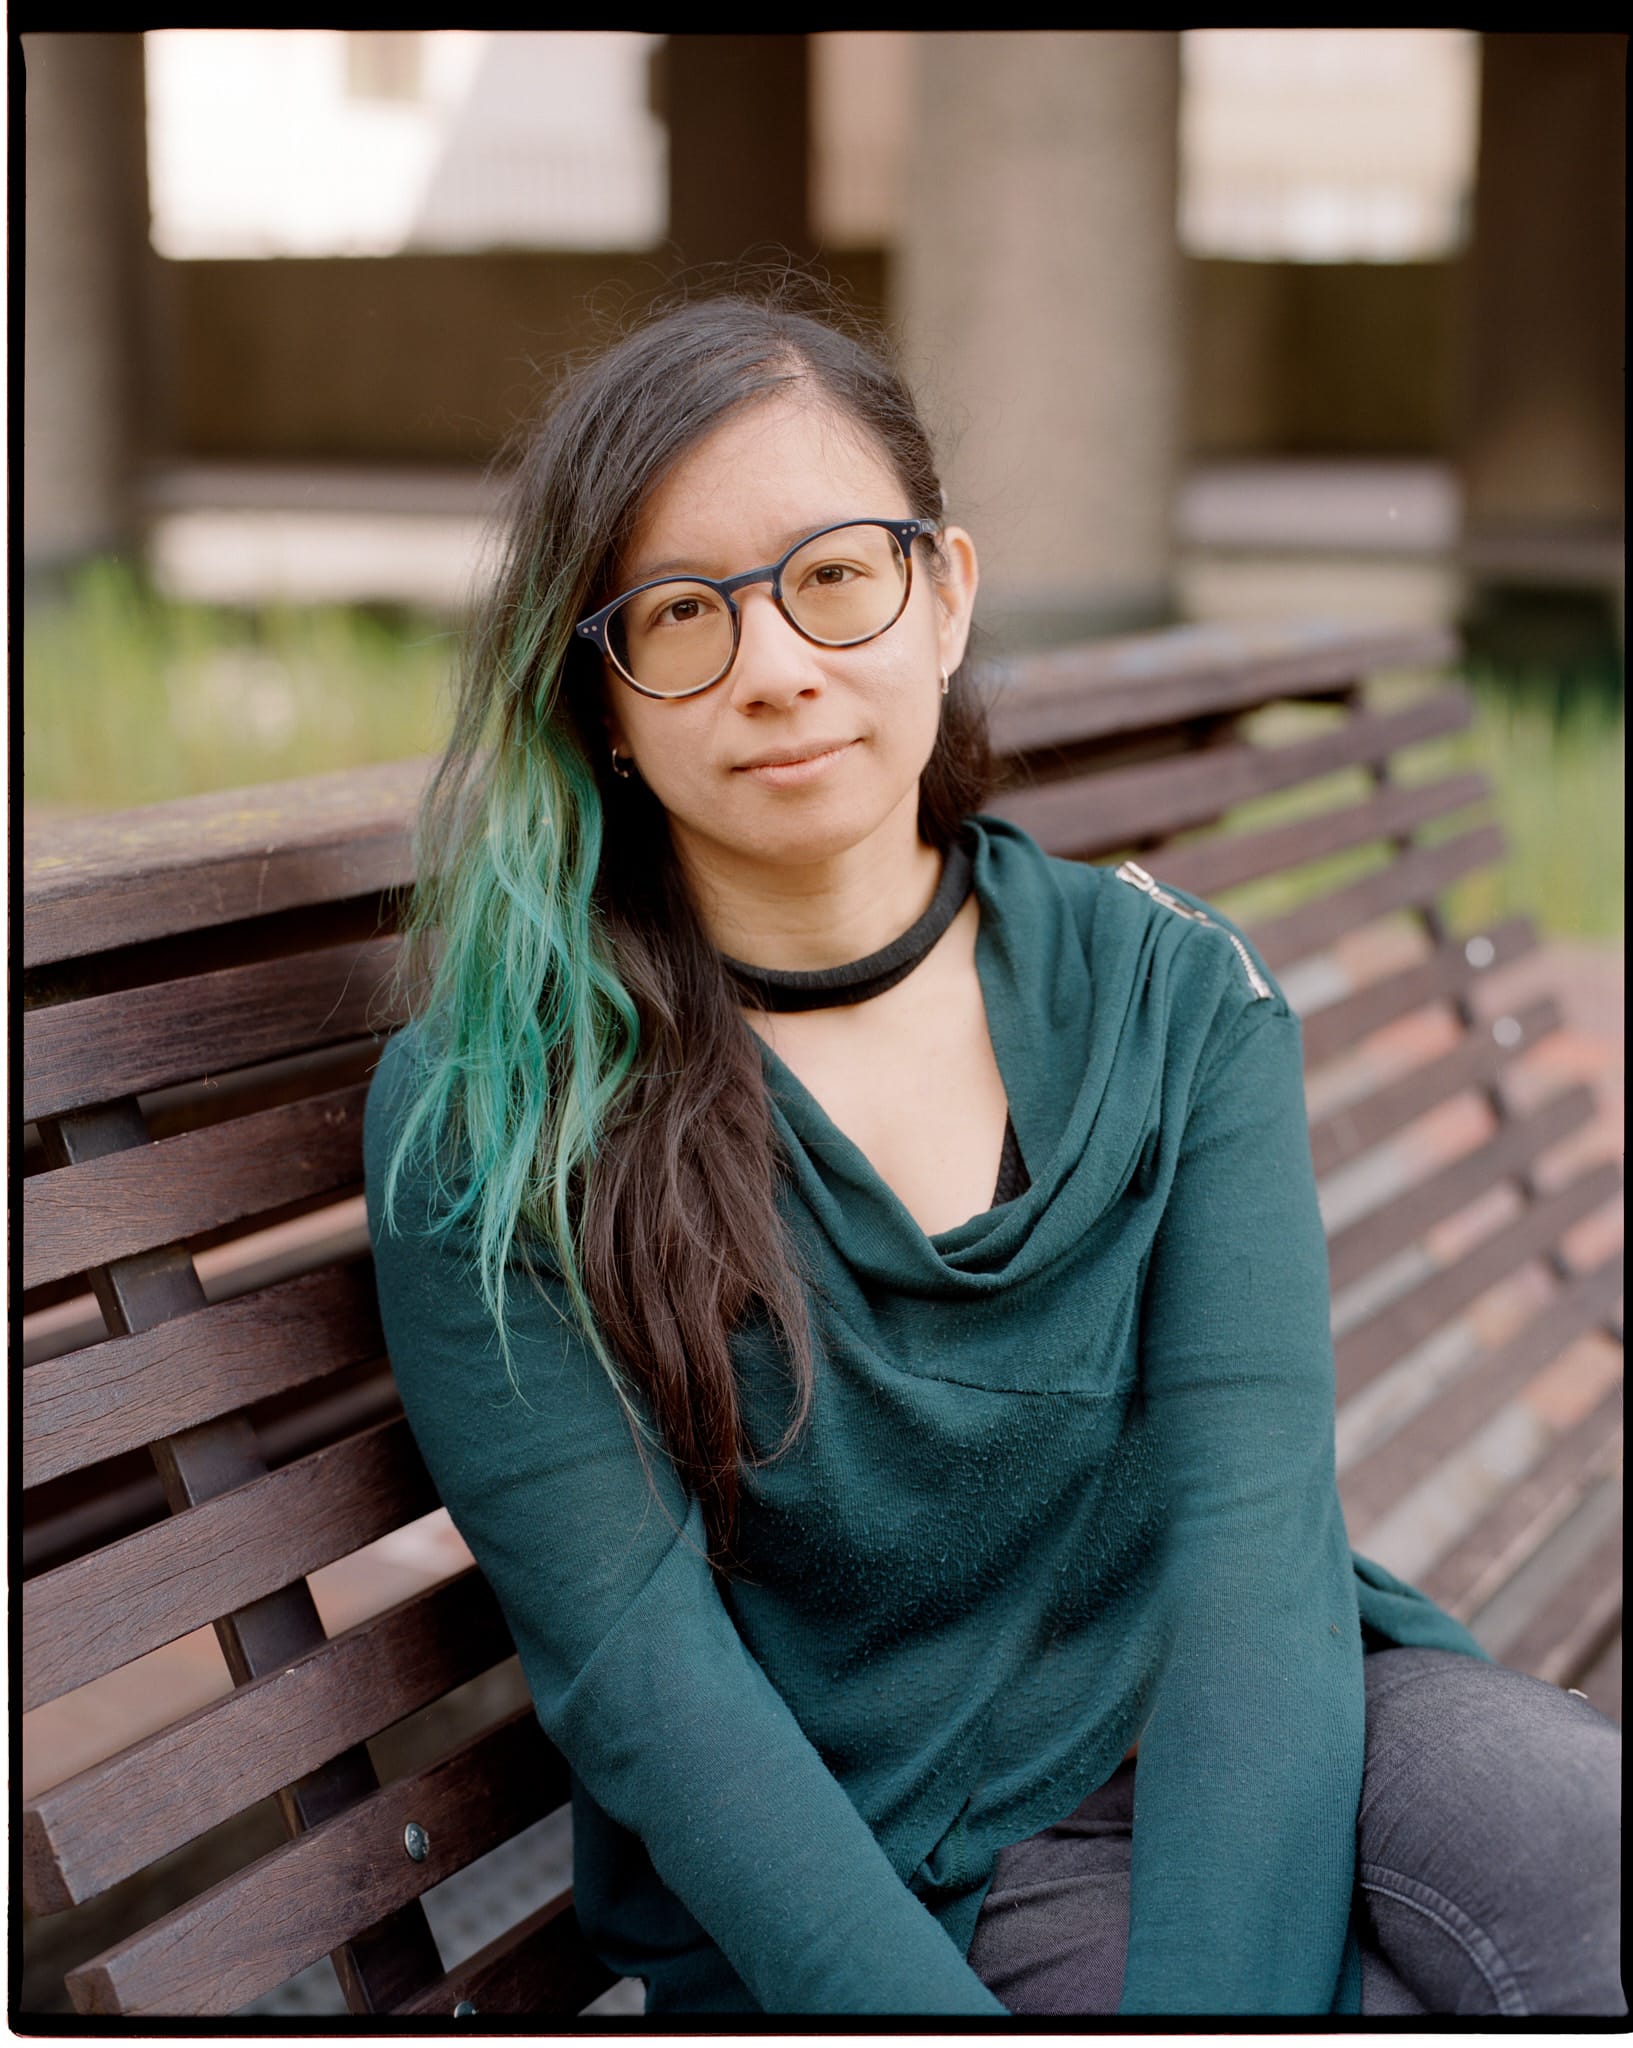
1132,872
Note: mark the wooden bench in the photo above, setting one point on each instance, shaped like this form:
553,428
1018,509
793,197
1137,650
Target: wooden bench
210,1437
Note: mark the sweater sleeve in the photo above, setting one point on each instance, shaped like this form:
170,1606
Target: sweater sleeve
636,1670
1250,1765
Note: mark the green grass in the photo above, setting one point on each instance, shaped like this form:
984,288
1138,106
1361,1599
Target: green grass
130,699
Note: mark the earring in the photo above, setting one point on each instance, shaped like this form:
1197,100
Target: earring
945,682
623,767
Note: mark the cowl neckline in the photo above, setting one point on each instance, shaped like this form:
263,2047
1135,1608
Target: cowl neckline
1080,1053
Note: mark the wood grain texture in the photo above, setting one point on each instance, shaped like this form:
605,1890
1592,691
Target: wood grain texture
75,1054
90,884
1227,860
542,1965
91,1616
1085,816
1165,678
101,1825
83,1216
91,1404
259,1927
1409,881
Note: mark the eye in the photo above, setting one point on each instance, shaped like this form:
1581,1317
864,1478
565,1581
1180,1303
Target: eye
830,575
684,610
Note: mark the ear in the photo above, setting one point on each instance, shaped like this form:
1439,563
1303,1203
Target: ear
955,591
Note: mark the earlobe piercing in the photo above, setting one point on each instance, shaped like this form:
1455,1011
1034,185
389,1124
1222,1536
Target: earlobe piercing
623,767
945,683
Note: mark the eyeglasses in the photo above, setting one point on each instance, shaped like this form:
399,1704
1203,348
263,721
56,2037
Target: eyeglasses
678,635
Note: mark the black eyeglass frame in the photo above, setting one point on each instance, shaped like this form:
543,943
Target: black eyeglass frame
595,628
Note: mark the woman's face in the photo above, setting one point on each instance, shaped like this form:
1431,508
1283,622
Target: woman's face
861,719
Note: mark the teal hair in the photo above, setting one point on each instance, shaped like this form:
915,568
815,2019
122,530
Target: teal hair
523,983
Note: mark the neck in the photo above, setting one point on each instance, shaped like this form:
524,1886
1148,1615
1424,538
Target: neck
814,914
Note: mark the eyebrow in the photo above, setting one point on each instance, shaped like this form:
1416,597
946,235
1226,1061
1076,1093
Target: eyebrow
681,565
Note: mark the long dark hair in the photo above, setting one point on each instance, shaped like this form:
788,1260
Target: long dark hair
583,1044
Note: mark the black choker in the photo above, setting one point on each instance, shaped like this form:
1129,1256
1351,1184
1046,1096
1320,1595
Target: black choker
825,988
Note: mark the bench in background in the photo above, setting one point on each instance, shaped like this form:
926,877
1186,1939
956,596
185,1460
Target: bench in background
208,1421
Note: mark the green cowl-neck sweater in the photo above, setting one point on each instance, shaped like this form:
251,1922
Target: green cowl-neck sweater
1068,1482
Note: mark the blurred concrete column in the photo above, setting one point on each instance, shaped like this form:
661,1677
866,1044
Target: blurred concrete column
85,219
1038,284
739,144
1545,330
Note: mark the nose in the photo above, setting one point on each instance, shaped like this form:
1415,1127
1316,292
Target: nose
775,666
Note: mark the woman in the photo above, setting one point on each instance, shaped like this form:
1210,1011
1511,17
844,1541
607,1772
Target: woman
857,1284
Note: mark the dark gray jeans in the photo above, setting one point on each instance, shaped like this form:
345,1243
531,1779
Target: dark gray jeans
1488,1859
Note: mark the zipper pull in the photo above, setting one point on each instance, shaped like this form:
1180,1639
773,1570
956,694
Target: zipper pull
1133,873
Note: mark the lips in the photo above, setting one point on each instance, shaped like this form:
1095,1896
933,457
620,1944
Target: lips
793,767
787,757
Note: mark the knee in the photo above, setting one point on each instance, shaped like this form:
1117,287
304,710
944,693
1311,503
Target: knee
1499,1758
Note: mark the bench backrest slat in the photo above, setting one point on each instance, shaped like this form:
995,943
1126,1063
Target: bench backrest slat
539,1965
1517,1143
180,1187
1406,883
243,1936
1473,1061
91,1616
1445,973
132,1040
1386,1337
180,867
1379,1481
92,1404
104,1823
1089,815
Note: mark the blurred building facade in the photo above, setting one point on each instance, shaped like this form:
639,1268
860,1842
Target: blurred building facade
1089,241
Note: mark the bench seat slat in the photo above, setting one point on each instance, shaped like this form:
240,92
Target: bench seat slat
260,1926
1407,882
1088,815
1374,1345
1516,1527
1477,1058
1410,1212
78,1217
541,1965
1373,1485
1130,685
1208,868
133,1040
88,1617
1441,976
106,1822
87,1405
